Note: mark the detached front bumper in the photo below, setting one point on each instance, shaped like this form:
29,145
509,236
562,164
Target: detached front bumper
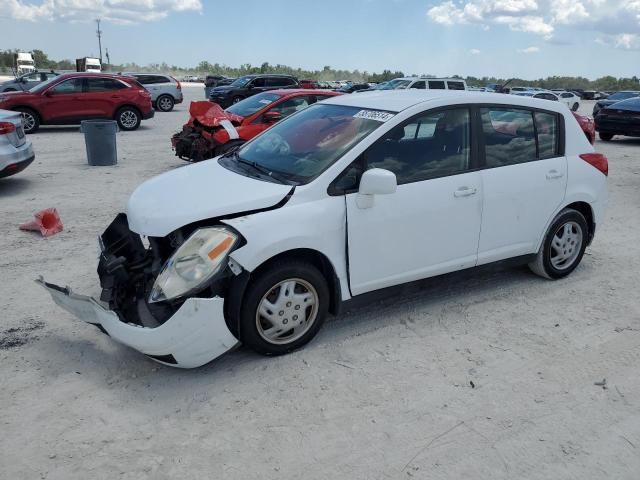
194,335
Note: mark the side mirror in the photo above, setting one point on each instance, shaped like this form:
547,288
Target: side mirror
375,181
48,93
250,86
272,116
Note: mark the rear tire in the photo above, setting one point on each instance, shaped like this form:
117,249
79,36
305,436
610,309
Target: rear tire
30,119
575,107
284,307
606,136
563,246
165,103
128,118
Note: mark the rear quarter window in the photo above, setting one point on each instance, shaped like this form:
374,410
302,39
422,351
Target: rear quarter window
456,85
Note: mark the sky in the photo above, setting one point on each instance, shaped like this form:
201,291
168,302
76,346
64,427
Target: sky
505,38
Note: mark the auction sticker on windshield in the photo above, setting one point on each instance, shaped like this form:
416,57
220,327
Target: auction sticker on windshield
376,115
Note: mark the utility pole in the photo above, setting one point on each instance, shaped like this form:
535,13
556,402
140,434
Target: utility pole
99,33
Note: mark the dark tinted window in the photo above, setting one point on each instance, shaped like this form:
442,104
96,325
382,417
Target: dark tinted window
103,84
509,136
432,145
437,84
258,82
73,85
547,129
455,85
421,85
279,82
151,79
546,96
566,95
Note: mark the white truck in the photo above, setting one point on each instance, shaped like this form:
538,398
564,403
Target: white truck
24,63
88,64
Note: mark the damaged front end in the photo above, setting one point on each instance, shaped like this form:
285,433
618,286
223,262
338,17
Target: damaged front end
208,133
165,299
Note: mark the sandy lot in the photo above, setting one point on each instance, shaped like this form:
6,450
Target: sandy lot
486,374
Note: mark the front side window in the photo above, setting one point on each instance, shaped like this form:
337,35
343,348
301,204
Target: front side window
421,85
302,146
292,105
432,145
258,83
73,85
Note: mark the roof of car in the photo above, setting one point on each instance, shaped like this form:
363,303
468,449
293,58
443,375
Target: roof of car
303,91
398,100
90,74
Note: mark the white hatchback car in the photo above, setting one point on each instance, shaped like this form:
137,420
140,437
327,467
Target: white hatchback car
350,195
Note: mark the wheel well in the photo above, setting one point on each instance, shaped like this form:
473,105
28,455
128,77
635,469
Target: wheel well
125,106
318,260
27,107
585,209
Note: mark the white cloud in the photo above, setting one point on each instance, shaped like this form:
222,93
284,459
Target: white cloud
529,50
617,21
116,11
474,51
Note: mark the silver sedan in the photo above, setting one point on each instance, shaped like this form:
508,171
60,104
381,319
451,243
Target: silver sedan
16,151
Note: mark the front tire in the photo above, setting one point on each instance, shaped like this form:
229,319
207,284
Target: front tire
128,118
30,119
236,100
284,307
563,246
606,136
165,103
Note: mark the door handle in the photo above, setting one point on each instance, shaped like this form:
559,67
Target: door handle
551,174
464,192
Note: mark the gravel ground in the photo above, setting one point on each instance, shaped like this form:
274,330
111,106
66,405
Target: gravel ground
482,374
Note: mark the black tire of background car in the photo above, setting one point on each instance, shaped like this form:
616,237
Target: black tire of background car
542,264
237,99
128,109
264,281
575,107
230,145
606,136
34,114
167,101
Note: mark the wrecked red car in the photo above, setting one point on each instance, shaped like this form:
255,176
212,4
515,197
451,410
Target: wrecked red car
588,126
212,131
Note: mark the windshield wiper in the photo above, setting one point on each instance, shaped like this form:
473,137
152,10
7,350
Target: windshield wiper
256,166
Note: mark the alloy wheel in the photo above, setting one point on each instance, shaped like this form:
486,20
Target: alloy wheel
28,121
128,119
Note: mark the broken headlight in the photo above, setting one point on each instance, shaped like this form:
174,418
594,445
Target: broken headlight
197,260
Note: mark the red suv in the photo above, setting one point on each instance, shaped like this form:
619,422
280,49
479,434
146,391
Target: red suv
72,97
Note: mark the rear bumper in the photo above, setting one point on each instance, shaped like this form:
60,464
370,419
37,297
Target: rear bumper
11,167
195,335
149,114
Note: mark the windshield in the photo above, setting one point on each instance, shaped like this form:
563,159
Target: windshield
622,95
305,144
41,86
251,105
241,82
395,84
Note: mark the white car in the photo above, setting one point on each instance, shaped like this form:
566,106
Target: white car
16,151
350,195
424,83
571,100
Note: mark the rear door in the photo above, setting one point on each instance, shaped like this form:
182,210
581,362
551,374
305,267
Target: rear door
524,178
63,102
102,96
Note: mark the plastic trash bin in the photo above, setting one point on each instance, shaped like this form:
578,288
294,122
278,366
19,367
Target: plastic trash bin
100,139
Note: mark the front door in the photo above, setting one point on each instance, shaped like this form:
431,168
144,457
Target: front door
431,224
63,102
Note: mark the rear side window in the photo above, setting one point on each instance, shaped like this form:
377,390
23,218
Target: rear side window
455,85
437,85
513,136
509,136
548,138
103,84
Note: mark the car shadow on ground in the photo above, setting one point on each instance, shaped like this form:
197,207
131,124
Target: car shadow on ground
10,186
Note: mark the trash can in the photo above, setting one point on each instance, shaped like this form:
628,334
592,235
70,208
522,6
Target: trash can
100,139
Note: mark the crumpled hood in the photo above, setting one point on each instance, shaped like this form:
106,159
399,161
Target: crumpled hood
211,114
197,192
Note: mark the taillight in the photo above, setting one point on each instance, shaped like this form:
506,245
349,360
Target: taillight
597,160
7,127
178,86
